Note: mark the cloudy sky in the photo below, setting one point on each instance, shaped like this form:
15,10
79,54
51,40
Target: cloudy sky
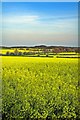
34,23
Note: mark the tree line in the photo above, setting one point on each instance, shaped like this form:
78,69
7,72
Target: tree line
38,51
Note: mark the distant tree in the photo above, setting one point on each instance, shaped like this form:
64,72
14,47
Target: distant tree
45,51
77,50
21,48
7,53
20,53
46,55
25,53
38,55
56,50
51,50
16,51
12,53
27,48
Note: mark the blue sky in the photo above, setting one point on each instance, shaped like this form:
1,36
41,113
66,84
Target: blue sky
34,23
39,0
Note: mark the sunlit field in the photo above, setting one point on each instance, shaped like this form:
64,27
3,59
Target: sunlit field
3,51
39,88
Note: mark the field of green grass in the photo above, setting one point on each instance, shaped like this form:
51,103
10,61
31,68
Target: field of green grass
39,88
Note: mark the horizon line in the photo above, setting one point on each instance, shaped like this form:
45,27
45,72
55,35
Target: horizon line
37,45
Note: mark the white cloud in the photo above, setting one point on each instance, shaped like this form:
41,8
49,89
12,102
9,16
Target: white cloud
39,22
39,29
20,19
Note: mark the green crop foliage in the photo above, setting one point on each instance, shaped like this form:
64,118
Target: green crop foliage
40,88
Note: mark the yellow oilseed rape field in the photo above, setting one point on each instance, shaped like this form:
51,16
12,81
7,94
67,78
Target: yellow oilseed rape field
35,88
